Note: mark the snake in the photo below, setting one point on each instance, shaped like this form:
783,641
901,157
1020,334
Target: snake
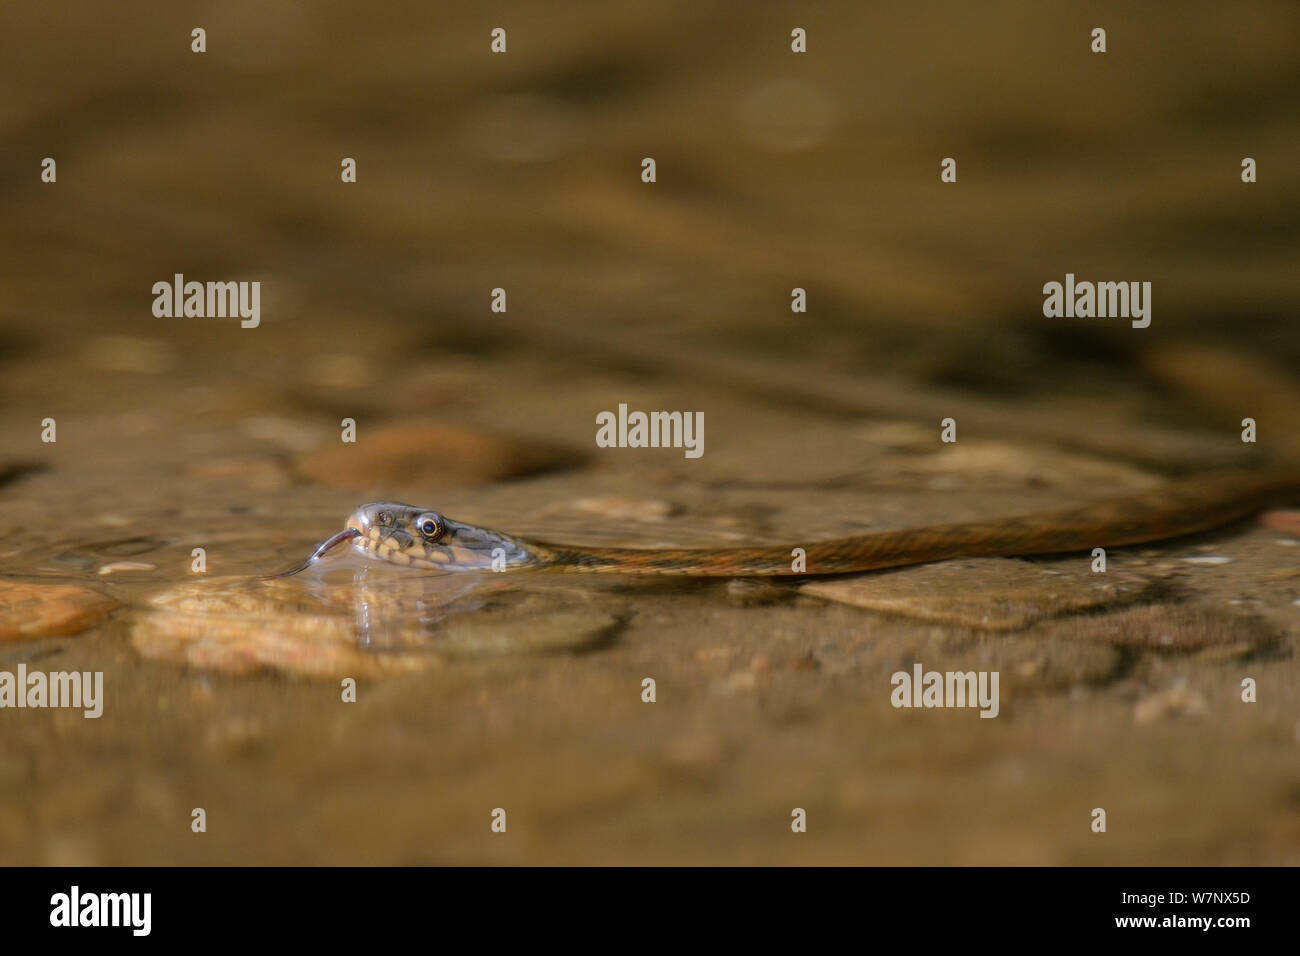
415,537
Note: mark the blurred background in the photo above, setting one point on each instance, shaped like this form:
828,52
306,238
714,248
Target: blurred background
522,171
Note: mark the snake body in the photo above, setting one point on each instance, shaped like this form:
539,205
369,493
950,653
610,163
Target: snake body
418,537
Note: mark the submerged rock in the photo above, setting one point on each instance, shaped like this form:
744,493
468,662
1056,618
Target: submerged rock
30,610
983,593
371,627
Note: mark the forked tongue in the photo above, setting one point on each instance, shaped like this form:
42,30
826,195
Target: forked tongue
325,546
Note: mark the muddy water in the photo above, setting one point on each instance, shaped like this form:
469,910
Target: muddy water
225,692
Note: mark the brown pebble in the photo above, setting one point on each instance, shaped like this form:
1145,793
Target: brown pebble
1281,519
116,566
429,455
623,509
30,610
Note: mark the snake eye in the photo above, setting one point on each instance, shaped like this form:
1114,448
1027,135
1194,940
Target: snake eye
430,525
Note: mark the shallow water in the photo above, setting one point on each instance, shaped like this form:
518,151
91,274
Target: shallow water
228,692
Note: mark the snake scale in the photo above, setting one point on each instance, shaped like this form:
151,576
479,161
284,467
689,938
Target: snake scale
406,535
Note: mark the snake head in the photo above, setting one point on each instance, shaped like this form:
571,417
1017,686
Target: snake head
417,537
